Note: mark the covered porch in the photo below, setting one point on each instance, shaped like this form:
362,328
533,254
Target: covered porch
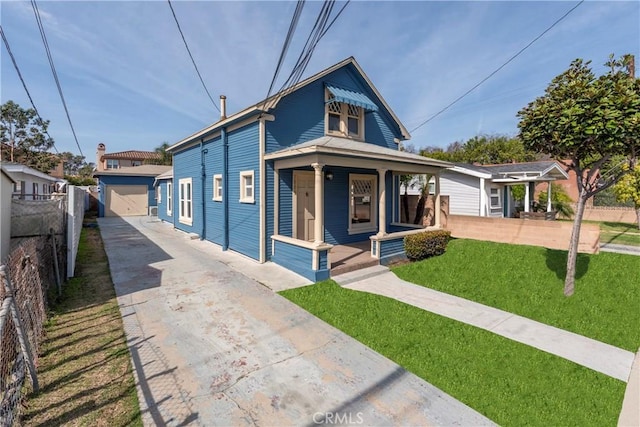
331,195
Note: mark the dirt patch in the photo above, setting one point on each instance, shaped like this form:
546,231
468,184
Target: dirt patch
85,371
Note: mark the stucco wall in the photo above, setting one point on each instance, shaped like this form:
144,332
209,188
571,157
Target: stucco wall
549,234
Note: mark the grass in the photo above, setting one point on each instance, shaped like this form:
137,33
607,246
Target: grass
529,281
508,382
619,233
84,370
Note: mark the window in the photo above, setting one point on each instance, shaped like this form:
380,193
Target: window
35,191
344,119
217,188
45,189
495,197
363,206
113,164
185,214
136,163
169,198
246,187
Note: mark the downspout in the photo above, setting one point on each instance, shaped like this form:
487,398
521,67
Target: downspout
203,152
225,188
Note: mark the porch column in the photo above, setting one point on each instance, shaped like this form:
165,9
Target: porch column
526,197
436,203
318,230
549,197
382,202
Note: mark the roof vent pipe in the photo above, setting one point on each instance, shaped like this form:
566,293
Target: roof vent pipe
223,107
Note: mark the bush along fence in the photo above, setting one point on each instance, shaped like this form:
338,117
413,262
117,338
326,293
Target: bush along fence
424,245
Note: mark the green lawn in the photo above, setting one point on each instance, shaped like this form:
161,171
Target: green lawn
529,280
620,233
511,383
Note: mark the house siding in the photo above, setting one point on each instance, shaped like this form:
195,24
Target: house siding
391,250
214,226
285,223
463,192
300,115
186,164
244,218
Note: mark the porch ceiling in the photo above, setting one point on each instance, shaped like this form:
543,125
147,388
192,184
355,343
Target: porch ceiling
346,152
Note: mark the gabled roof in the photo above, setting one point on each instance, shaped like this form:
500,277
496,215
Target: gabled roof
143,170
131,155
508,172
5,173
350,147
266,105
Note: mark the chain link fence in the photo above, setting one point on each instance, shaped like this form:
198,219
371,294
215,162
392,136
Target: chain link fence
34,269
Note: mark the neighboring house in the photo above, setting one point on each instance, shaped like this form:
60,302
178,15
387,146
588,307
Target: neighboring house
128,191
29,183
288,178
6,188
164,195
122,159
486,190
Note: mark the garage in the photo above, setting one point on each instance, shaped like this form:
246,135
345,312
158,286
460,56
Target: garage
126,200
128,191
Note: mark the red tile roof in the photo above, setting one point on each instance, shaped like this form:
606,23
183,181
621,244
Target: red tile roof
132,155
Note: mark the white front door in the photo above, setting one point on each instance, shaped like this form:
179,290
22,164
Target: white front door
304,205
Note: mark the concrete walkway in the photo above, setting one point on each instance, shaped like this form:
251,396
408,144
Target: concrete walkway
212,346
621,249
593,354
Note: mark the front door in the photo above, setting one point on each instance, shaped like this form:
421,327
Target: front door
304,205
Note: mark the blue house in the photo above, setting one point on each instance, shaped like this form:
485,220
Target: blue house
287,179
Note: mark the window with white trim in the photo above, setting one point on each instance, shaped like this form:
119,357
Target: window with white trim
217,188
113,164
343,119
158,194
495,198
363,208
169,198
185,214
247,187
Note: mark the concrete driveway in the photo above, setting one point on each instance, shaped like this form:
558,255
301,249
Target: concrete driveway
212,345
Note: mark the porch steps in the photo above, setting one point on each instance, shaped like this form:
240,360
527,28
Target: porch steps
346,268
353,276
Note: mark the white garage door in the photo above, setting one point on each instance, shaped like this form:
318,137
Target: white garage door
126,200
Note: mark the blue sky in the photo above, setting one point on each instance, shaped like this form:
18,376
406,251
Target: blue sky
129,83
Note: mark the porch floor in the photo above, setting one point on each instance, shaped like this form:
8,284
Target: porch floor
351,257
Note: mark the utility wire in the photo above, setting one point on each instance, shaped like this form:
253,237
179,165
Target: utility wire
191,56
499,68
285,46
36,12
24,84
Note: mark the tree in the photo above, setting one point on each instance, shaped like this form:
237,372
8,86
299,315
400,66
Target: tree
589,120
164,157
24,134
483,149
628,189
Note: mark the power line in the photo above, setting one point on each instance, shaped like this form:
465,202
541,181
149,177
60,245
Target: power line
24,85
285,46
191,56
36,12
499,68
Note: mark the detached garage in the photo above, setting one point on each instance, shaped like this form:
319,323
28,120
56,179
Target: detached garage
128,191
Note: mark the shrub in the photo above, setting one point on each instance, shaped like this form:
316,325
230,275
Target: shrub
424,245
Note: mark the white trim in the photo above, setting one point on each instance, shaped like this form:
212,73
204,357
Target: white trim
401,224
372,225
491,196
217,188
483,197
243,187
169,198
400,234
343,132
302,243
276,201
263,185
158,191
465,171
183,203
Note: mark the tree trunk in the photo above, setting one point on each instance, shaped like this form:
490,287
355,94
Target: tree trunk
405,208
569,281
417,219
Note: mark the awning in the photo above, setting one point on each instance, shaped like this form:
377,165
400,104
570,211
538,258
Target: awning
352,98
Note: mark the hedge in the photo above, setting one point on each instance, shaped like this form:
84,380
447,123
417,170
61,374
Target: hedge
424,245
